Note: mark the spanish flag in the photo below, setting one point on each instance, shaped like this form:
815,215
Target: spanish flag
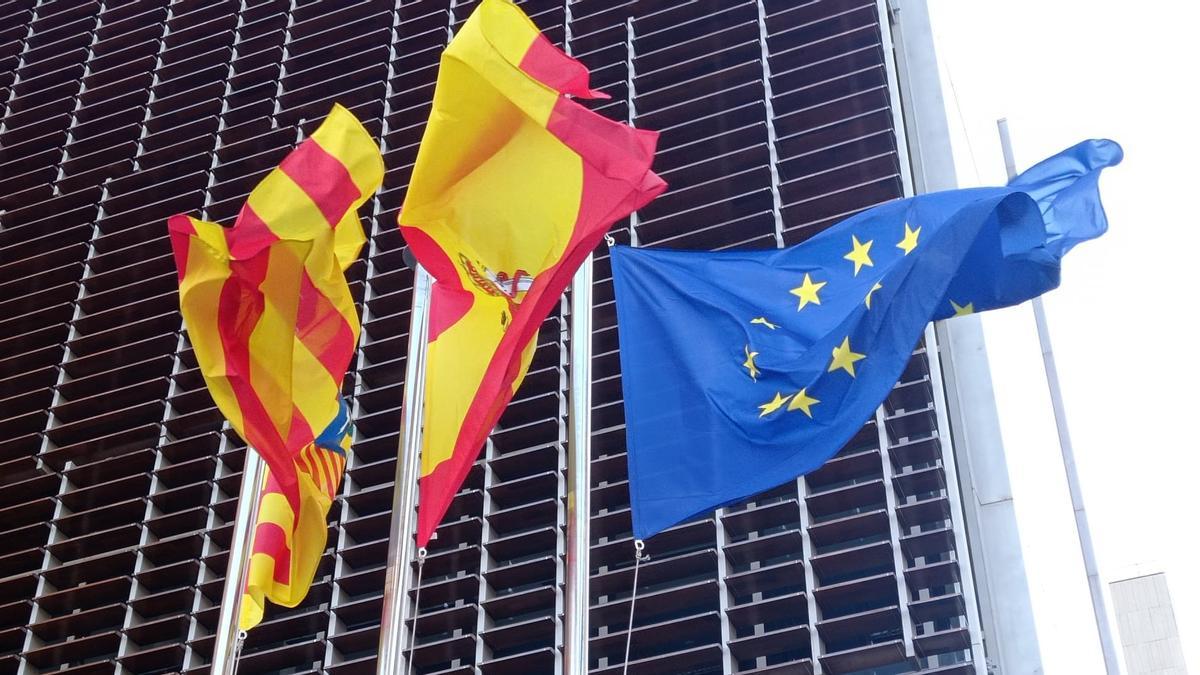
268,310
514,185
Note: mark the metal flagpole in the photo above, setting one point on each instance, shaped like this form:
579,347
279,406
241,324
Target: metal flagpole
1068,454
404,500
579,474
229,639
579,458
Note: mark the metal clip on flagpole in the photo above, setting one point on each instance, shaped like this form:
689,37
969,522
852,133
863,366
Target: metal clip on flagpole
639,554
229,640
404,501
1068,454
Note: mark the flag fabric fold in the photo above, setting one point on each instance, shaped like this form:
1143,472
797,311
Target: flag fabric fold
289,542
269,313
743,370
514,185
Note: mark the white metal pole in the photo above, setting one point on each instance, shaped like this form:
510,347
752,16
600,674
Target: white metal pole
229,637
579,473
404,500
1068,454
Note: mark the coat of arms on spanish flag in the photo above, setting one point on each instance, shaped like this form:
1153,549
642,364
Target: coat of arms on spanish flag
514,185
273,325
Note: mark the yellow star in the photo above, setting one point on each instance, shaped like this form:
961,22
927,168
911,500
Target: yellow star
802,401
773,405
963,310
844,358
874,288
909,242
860,255
763,320
807,292
750,365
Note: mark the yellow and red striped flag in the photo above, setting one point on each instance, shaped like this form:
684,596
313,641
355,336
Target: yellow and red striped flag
514,185
267,307
288,544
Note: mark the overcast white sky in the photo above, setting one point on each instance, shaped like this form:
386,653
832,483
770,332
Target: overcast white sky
1123,322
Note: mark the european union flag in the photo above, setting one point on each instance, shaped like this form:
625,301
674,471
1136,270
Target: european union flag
743,370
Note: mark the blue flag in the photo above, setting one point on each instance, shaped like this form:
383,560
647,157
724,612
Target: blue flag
743,370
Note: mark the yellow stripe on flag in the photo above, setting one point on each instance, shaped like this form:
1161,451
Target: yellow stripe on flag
208,265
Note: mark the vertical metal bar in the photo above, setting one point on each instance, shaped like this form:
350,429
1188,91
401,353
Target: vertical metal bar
631,106
816,644
1068,454
893,500
769,109
894,100
1010,163
579,476
577,552
962,547
401,538
404,500
226,648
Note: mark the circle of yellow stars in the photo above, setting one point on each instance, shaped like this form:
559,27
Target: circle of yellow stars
843,356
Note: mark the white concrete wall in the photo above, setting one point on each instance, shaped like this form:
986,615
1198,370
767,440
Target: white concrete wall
1146,622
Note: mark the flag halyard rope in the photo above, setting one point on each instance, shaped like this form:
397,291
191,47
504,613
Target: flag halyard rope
422,553
639,548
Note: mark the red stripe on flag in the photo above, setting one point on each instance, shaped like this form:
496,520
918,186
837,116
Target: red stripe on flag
448,301
339,464
322,469
271,540
325,462
318,476
306,467
339,469
323,330
238,312
299,430
550,66
616,181
250,235
323,178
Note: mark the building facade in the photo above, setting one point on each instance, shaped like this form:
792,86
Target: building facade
118,476
1146,623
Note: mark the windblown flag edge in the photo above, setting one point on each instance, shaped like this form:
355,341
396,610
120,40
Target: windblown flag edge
583,173
992,247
